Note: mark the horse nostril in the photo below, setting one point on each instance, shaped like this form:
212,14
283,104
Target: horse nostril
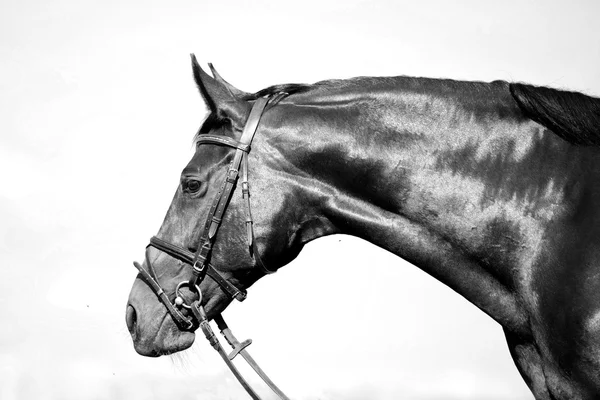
131,319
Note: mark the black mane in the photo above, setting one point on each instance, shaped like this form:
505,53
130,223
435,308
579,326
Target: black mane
573,116
289,88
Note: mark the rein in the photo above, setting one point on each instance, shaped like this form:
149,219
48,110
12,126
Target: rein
200,260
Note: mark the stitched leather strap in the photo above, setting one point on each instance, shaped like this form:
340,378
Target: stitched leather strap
215,215
178,317
224,141
200,315
188,258
240,348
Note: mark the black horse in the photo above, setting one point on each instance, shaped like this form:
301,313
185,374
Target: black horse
491,188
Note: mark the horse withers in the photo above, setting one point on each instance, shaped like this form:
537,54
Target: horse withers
491,188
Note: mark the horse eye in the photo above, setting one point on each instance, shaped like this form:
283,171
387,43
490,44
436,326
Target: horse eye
192,186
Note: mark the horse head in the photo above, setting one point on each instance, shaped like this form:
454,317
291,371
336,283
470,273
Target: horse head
209,224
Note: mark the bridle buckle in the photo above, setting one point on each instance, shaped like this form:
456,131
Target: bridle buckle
232,175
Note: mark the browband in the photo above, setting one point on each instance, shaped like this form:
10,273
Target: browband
223,140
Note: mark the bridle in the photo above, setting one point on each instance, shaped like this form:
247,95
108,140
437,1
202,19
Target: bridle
199,261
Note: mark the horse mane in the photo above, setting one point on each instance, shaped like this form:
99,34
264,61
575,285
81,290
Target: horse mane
289,88
573,116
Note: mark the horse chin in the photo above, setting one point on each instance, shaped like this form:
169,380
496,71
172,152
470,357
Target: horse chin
168,339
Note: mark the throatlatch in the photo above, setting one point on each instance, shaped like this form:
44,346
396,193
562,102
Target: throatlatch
200,261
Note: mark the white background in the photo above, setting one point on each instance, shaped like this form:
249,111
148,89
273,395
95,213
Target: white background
97,112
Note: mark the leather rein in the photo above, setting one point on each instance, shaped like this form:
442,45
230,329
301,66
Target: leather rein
200,260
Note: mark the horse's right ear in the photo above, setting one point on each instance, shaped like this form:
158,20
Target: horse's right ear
219,98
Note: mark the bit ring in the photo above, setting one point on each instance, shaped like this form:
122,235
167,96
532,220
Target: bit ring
179,302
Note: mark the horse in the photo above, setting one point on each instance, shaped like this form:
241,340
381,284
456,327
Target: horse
491,188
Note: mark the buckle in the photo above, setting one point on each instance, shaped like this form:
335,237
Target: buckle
197,270
232,175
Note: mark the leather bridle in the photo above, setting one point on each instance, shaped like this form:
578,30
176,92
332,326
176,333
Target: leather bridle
199,261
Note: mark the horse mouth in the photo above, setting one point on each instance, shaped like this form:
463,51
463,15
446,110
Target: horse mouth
157,339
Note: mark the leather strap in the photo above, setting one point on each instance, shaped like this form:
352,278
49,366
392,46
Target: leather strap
178,317
215,216
188,257
200,315
240,348
246,197
249,220
222,140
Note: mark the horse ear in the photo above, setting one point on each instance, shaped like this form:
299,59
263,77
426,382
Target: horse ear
234,91
219,98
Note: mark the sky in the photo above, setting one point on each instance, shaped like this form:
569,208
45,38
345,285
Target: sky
97,112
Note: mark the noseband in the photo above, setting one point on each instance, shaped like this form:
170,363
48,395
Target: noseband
200,260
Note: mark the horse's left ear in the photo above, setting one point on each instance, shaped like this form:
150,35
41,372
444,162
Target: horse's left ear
219,98
234,91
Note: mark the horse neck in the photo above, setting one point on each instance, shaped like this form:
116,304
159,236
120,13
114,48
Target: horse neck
380,154
388,164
